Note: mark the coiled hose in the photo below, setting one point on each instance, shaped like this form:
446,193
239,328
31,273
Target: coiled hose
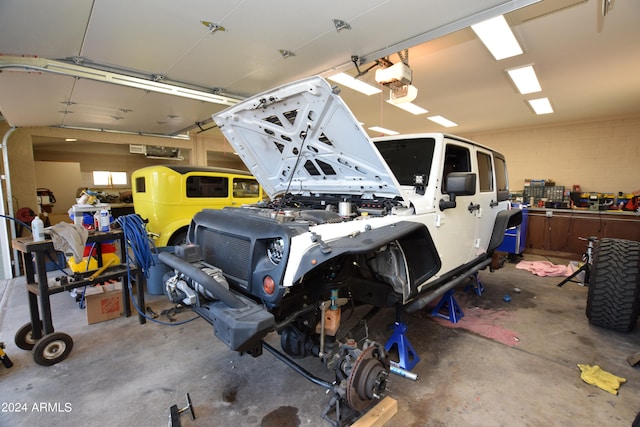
140,251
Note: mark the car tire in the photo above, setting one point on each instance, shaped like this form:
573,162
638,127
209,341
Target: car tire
613,300
178,238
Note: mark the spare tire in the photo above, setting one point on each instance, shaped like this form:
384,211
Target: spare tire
613,301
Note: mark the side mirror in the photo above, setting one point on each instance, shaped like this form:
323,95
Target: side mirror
458,184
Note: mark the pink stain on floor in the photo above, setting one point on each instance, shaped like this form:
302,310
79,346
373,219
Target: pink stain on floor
486,323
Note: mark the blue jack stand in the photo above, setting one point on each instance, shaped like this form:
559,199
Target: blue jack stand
475,284
450,305
408,356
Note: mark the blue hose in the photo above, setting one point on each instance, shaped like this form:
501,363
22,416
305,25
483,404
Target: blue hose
142,247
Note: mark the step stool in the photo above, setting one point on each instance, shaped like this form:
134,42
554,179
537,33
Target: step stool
406,353
475,284
450,306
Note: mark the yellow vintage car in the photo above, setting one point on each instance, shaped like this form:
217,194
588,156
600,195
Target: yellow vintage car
169,196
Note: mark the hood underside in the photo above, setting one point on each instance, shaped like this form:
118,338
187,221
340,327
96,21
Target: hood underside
301,138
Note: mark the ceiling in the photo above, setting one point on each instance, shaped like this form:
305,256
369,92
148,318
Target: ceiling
587,63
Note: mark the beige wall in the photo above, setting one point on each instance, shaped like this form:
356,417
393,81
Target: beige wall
600,155
21,168
201,150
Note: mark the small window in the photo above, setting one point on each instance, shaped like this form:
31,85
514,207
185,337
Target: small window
245,187
109,178
141,185
485,172
207,186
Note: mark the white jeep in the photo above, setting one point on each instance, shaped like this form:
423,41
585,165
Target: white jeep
389,222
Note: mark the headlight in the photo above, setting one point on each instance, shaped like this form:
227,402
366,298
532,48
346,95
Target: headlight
275,250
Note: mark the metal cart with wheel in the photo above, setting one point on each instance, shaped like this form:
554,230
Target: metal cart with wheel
50,347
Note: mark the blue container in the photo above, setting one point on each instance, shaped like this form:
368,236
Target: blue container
155,285
515,237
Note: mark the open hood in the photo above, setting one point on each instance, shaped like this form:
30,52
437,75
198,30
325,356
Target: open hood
301,138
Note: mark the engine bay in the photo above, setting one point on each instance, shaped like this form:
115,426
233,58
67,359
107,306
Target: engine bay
314,210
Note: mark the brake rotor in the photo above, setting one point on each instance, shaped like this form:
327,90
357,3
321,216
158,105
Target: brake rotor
368,378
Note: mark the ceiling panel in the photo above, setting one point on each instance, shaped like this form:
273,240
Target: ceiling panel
50,29
31,99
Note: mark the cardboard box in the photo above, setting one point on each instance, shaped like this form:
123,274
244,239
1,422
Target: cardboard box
104,302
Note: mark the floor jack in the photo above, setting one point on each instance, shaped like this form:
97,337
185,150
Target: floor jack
175,412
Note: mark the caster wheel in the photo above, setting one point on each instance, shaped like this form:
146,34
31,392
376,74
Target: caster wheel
24,337
52,348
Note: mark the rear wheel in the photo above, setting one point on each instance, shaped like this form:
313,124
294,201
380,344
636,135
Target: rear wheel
613,301
178,238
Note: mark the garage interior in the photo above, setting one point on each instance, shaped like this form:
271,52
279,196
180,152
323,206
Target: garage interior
116,86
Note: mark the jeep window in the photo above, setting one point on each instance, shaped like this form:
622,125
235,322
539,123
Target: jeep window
407,157
501,178
207,186
485,172
245,187
456,159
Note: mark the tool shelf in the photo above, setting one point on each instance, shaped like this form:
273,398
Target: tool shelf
50,347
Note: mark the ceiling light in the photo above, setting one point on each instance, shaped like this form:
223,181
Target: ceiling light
70,139
442,121
383,130
541,105
525,79
403,93
355,84
498,38
409,107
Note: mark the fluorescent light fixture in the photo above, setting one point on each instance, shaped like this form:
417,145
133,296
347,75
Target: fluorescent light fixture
355,84
498,38
541,105
410,108
383,130
442,121
525,79
70,139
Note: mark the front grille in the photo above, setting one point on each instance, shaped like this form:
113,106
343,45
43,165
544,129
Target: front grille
232,254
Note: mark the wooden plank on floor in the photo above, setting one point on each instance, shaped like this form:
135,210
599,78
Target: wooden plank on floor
379,414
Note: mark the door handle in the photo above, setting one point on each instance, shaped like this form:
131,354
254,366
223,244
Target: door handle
493,204
473,207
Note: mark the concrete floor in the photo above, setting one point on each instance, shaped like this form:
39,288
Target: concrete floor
503,364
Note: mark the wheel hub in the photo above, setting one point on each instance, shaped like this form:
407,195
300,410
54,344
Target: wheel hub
368,378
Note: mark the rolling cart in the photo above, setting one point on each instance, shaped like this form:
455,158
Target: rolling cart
50,347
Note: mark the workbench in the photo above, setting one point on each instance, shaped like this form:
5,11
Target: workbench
558,232
50,347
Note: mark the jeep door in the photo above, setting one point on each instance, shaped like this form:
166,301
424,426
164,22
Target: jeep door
486,200
455,222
